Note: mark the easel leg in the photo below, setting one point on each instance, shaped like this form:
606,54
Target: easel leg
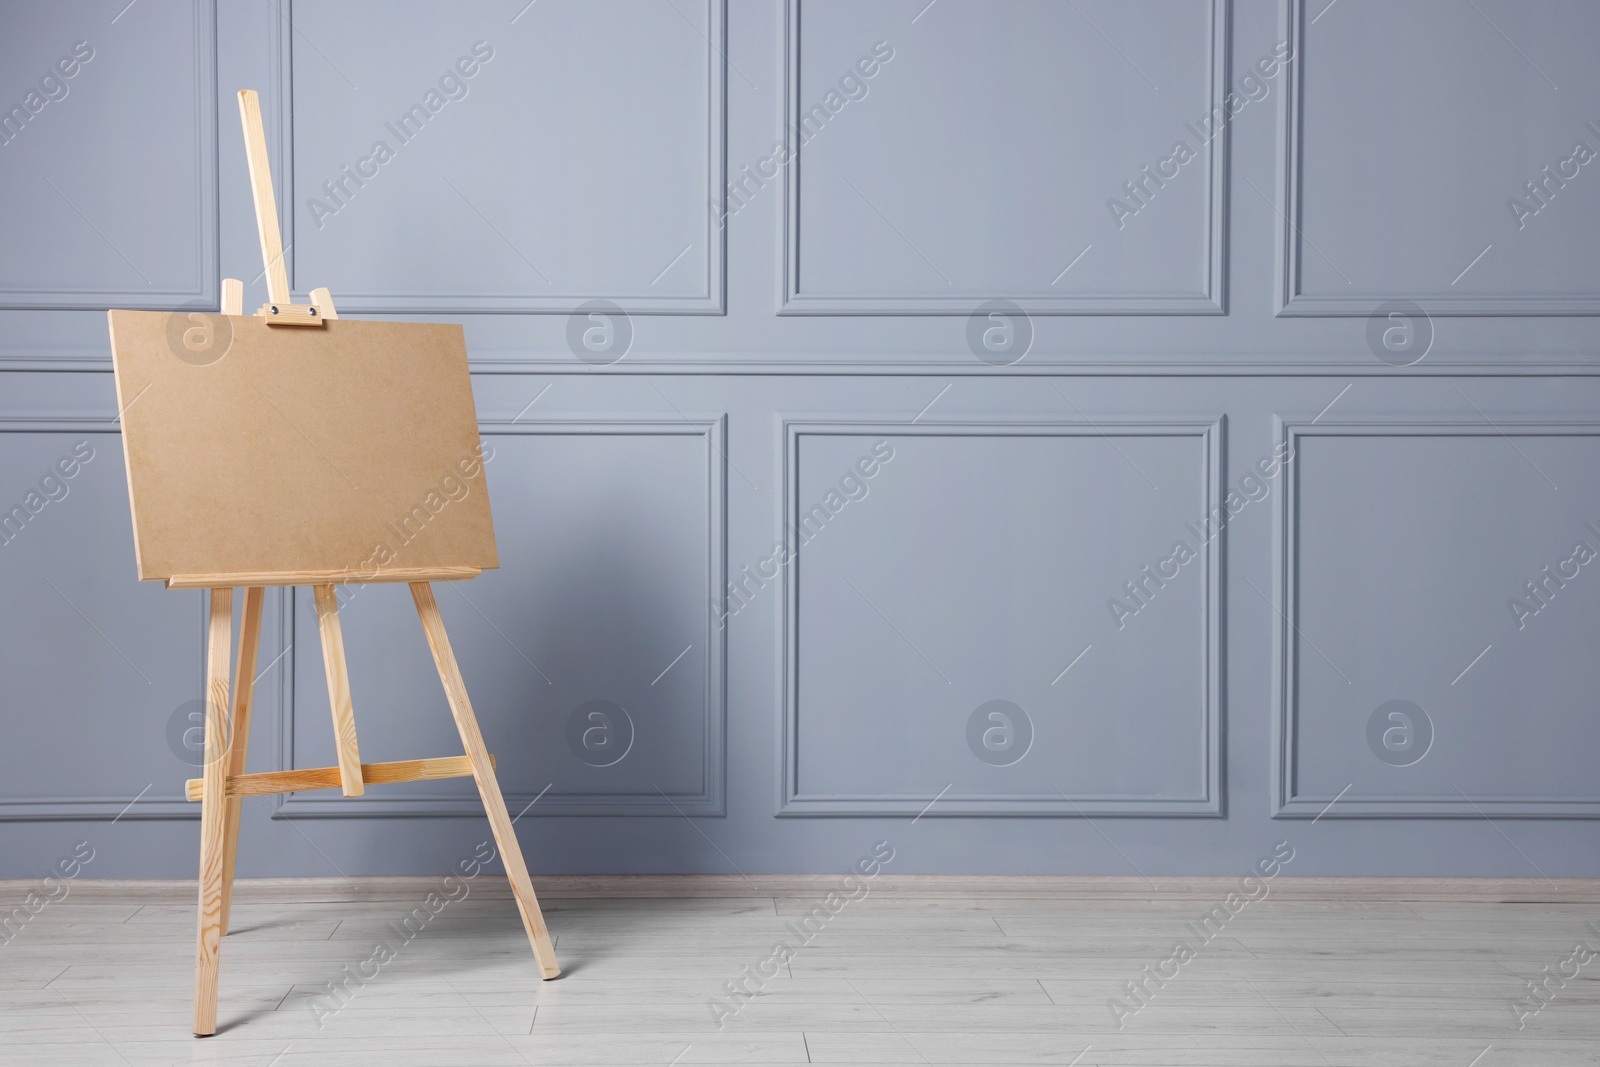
239,737
213,812
344,716
494,804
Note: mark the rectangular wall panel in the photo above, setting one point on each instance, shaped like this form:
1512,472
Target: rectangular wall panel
94,663
111,195
999,666
1072,108
474,161
1436,650
592,655
1461,178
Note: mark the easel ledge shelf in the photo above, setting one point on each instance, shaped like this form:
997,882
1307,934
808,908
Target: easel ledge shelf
264,578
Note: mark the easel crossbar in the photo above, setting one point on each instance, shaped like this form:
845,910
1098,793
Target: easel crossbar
267,782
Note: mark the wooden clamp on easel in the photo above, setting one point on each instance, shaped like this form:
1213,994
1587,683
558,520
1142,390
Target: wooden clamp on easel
320,377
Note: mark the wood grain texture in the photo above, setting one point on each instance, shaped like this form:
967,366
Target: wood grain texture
338,673
255,151
266,783
274,314
213,812
244,690
1026,891
326,577
1030,983
494,805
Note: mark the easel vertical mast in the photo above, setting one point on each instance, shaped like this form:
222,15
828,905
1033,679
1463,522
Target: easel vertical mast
278,309
255,152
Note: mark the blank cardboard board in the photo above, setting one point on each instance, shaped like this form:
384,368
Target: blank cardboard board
350,447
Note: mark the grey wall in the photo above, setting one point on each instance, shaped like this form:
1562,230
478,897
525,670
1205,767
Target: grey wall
1223,340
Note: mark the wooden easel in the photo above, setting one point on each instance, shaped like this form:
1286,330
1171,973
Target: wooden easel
225,784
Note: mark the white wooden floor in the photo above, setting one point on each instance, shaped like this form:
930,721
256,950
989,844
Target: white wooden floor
887,981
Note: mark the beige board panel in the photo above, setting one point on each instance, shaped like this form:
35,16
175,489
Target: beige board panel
348,449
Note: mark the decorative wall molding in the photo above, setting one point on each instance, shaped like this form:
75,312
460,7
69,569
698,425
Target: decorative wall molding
1292,303
790,802
151,804
713,302
1287,801
1212,300
710,800
1044,887
827,364
208,286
